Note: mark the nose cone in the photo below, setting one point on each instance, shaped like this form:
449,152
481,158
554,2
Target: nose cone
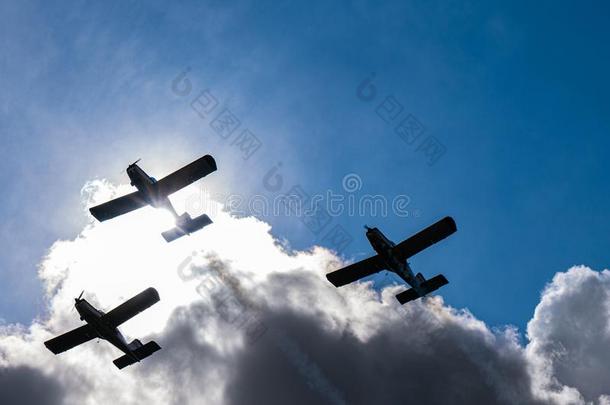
80,309
78,302
131,173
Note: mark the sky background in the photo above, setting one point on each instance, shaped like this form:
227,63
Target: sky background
517,93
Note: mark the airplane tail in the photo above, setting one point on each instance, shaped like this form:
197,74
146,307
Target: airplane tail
186,225
426,287
135,344
141,352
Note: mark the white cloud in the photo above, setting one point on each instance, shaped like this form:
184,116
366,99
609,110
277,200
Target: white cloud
244,321
570,333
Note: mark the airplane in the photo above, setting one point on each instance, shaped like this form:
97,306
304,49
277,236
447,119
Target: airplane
394,258
155,193
104,326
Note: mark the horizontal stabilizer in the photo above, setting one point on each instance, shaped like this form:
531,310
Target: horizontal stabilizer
406,296
141,353
426,287
186,226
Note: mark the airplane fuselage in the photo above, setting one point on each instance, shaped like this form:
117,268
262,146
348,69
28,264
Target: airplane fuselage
383,246
147,185
104,330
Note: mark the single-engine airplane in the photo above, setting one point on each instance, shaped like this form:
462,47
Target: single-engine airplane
104,326
394,258
155,193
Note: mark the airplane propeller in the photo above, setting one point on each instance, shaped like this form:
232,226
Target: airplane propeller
76,300
80,296
134,163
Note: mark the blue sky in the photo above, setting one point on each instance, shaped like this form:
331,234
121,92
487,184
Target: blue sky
515,92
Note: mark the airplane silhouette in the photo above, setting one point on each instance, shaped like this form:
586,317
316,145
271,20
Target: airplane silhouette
394,258
155,193
105,326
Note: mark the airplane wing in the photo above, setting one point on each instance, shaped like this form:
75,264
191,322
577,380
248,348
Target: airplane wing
187,175
132,307
356,271
425,238
118,206
71,339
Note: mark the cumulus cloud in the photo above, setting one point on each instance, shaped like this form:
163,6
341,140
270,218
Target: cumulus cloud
26,385
242,320
570,333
